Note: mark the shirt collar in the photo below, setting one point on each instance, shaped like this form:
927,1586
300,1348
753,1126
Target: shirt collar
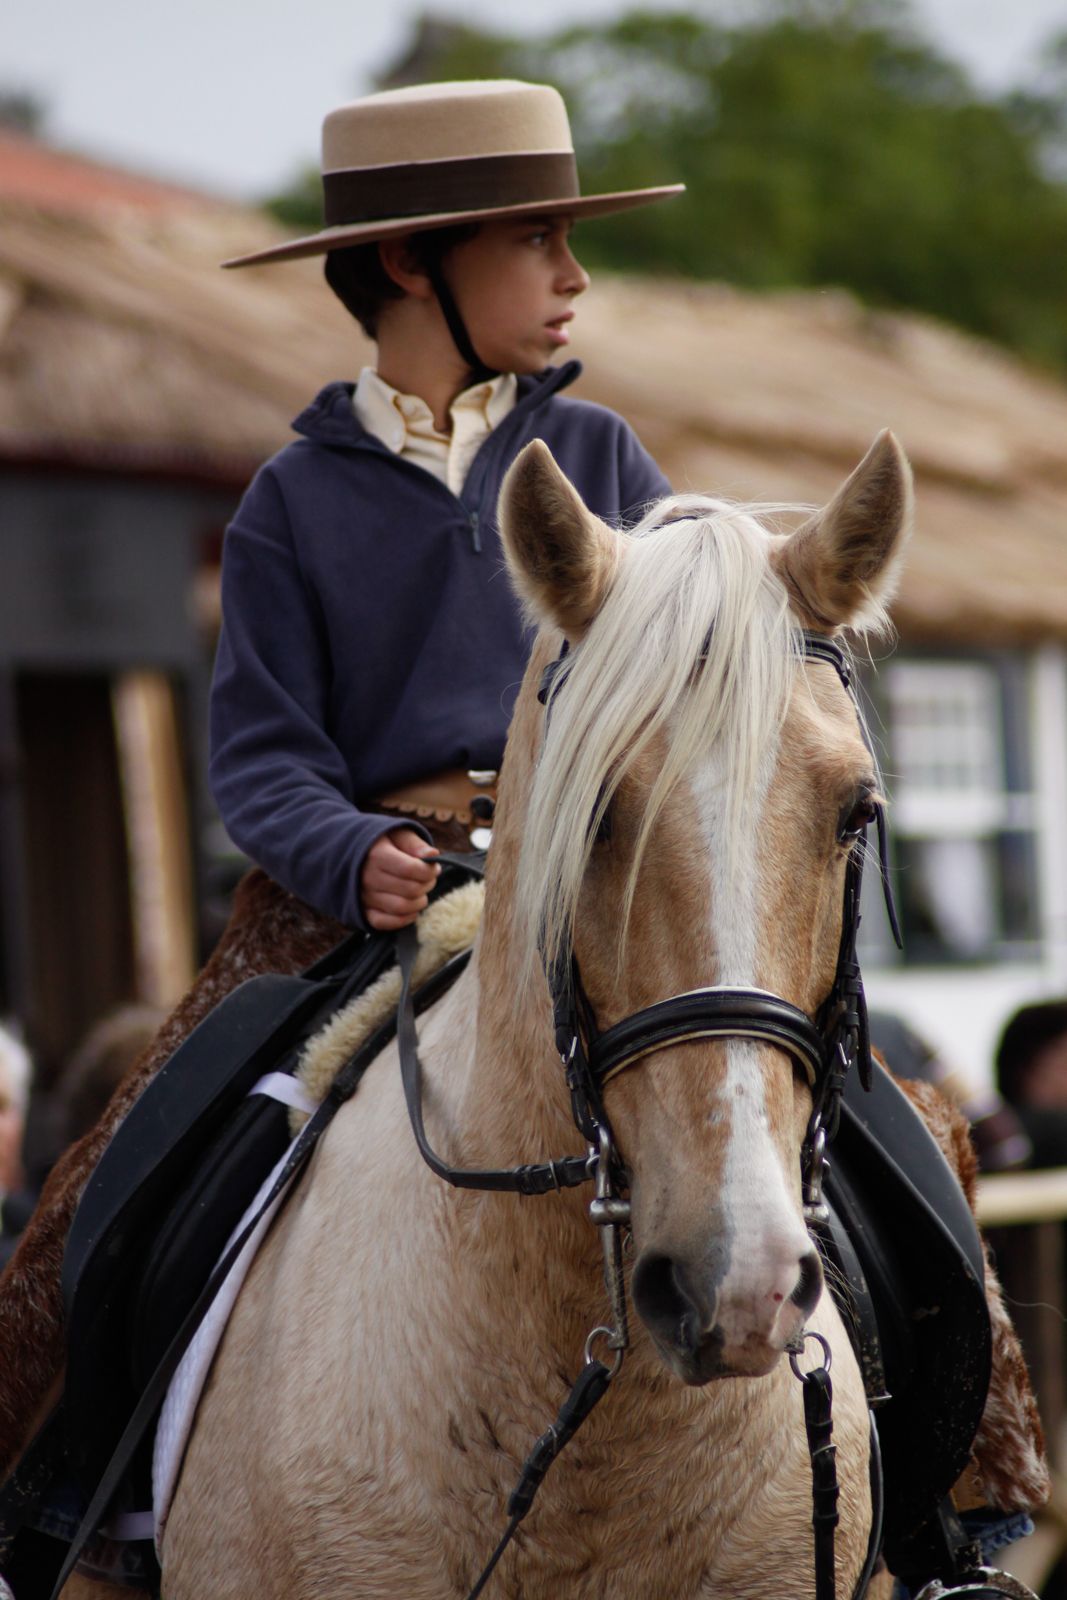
390,415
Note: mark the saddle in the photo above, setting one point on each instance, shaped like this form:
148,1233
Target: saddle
906,1268
903,1254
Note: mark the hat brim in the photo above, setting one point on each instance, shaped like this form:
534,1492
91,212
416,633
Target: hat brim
351,233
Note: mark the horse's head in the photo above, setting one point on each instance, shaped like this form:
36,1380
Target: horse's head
698,789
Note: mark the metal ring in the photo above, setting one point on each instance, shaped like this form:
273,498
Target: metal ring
827,1353
609,1334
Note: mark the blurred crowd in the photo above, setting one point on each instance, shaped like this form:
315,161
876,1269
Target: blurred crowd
1021,1119
36,1127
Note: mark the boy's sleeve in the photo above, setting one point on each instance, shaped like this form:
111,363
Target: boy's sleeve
281,784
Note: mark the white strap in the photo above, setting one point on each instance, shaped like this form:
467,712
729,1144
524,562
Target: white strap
128,1525
289,1090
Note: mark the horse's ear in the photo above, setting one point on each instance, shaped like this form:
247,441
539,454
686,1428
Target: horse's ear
841,565
561,556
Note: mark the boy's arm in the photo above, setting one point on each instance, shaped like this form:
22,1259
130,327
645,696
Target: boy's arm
281,784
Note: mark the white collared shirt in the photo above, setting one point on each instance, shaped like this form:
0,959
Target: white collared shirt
404,423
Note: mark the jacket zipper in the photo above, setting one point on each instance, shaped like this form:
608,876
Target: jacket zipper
473,516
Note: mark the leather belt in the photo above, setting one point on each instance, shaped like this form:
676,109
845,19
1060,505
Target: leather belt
457,796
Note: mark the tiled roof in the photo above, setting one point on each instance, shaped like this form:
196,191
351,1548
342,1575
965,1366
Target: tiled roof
57,180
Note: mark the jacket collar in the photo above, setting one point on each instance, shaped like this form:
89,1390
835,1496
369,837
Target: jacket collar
330,419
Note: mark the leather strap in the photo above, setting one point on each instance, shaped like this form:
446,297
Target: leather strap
713,1013
541,1178
446,797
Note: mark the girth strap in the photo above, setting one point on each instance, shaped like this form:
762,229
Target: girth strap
722,1012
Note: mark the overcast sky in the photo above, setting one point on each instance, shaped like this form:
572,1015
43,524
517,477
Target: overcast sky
229,94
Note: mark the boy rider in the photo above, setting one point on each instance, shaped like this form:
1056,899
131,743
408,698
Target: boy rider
370,638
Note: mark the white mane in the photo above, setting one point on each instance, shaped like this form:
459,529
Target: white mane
694,590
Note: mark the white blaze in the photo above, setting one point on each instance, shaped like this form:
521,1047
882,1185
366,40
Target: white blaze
768,1238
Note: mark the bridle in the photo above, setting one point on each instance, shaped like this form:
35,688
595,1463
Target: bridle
825,1048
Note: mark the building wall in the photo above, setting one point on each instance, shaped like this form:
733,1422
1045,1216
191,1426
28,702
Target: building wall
98,582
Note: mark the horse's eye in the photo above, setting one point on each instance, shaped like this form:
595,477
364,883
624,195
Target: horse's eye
858,816
602,828
602,834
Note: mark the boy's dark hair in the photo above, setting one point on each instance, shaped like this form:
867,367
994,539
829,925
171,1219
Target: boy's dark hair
1030,1030
363,286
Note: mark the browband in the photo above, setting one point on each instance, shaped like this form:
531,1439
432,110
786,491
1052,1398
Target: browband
814,647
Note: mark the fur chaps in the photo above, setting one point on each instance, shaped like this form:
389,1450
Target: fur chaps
270,931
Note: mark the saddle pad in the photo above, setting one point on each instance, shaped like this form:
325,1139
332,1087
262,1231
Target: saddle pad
261,1025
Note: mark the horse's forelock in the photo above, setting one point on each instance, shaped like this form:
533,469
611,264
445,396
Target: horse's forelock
694,640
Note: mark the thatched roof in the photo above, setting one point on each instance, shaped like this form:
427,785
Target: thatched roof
122,343
778,396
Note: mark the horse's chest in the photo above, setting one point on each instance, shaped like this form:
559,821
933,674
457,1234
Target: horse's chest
601,1536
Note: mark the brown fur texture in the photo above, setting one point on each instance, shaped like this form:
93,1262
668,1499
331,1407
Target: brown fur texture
1009,1451
269,931
81,1588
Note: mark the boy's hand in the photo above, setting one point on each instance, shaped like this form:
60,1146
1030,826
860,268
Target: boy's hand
398,873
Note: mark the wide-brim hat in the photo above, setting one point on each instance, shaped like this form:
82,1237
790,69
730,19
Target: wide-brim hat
439,154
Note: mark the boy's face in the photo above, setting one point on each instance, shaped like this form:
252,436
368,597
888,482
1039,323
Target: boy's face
11,1124
515,283
1045,1079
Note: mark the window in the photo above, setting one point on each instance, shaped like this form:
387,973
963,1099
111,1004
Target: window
962,816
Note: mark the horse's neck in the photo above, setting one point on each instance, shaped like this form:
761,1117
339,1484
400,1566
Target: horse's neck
518,1097
511,1108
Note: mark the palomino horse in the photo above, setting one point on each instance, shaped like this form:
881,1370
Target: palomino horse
685,816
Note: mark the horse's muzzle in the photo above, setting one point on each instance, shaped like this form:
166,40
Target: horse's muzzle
701,1336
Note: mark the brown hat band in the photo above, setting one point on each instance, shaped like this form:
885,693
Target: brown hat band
428,188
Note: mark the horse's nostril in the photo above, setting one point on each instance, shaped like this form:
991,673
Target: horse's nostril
664,1304
809,1284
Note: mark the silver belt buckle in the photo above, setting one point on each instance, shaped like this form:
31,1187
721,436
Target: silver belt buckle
481,834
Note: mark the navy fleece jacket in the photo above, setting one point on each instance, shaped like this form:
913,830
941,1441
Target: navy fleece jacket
370,634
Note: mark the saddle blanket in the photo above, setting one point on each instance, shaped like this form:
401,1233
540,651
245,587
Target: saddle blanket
448,926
